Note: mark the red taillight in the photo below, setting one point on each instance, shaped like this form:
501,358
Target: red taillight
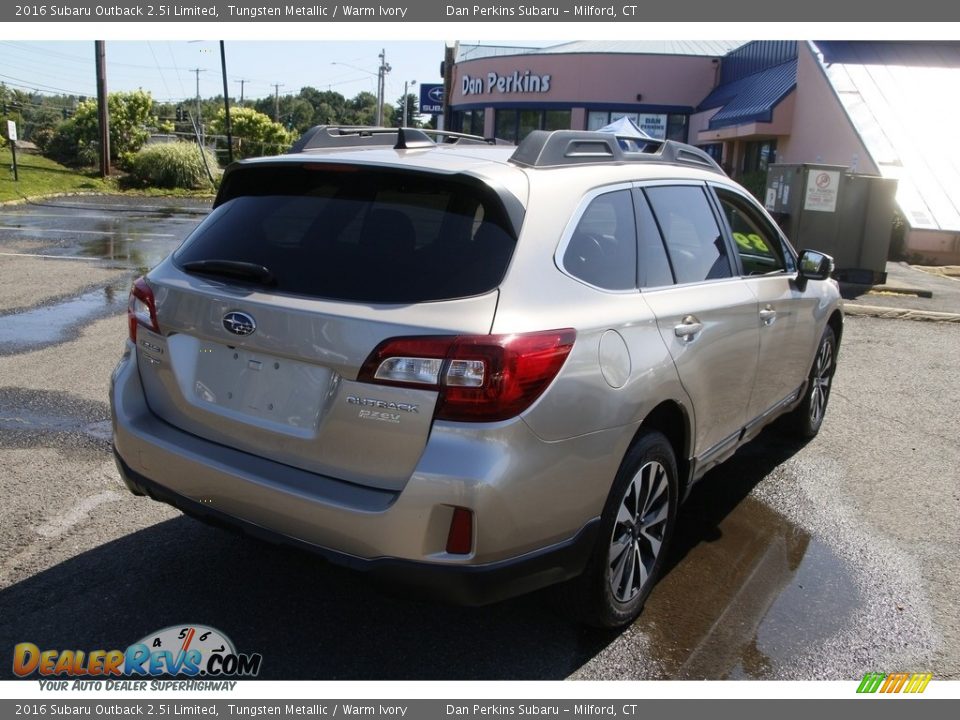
481,378
460,537
141,309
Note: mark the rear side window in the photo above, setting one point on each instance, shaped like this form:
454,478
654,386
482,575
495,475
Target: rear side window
603,248
694,241
360,235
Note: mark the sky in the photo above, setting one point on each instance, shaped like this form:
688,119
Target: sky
161,59
165,67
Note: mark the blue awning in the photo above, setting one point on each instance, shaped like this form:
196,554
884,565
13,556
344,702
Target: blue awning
751,99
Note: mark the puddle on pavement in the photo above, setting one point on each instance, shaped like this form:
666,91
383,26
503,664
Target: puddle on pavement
744,597
58,322
138,241
132,252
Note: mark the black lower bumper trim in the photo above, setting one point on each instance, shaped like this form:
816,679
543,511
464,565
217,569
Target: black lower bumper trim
460,584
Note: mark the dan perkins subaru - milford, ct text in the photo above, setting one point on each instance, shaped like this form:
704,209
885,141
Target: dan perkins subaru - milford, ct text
504,11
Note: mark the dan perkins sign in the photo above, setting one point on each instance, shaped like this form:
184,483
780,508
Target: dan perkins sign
517,82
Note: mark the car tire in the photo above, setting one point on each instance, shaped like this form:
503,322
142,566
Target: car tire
635,529
806,419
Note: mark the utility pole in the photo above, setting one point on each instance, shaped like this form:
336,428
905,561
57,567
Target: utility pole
242,81
276,101
381,78
103,114
226,103
199,121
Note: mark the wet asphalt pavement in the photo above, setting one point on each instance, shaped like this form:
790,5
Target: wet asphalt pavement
822,560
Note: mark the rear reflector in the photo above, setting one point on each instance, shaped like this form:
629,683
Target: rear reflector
480,378
460,537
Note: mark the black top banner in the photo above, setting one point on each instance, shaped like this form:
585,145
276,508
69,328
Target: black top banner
630,11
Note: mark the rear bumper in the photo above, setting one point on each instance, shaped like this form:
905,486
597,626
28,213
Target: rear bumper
535,513
460,584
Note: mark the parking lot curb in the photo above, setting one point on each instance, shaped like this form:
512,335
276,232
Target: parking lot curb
856,309
899,290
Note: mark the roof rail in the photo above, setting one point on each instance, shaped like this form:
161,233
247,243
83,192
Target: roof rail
543,149
336,136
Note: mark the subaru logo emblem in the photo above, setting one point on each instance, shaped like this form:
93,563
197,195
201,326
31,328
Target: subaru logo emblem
436,94
239,323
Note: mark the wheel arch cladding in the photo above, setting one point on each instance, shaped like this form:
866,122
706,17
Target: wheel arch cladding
836,323
670,419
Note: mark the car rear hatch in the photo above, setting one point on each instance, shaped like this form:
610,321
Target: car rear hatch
253,334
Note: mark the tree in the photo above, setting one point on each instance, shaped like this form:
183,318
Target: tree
413,104
131,121
361,110
254,132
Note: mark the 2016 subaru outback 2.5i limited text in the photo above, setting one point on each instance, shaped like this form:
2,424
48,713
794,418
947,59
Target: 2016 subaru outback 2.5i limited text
474,368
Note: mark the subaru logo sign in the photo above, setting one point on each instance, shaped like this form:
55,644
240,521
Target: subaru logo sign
431,99
239,323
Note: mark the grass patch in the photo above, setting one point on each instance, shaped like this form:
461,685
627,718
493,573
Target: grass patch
40,176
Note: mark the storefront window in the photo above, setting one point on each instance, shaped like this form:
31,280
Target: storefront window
507,125
757,156
515,125
597,119
529,121
714,150
677,128
469,121
658,125
556,120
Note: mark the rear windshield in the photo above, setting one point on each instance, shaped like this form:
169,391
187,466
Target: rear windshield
356,234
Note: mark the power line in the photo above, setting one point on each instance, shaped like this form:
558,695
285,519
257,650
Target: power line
157,62
36,86
53,53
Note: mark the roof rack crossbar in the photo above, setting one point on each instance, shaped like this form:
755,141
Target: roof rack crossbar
341,136
543,149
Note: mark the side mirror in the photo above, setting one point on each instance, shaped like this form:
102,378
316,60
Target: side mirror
814,265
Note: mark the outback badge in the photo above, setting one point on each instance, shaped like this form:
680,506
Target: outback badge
239,323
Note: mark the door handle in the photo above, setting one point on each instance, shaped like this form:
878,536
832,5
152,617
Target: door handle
688,329
768,315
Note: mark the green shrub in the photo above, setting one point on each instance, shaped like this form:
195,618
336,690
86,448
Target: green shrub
172,165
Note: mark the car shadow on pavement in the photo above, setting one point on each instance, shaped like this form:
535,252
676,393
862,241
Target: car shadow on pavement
309,619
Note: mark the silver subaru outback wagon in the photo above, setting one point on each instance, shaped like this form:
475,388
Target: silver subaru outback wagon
477,369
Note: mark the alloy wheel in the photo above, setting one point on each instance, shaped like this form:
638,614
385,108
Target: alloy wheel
639,531
820,382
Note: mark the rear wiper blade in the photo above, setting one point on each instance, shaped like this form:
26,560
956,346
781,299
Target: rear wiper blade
235,269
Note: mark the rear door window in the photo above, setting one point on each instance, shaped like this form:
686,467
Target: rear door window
695,244
653,266
360,235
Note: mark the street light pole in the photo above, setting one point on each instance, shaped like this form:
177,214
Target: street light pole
404,119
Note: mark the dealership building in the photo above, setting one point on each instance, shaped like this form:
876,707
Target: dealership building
874,108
